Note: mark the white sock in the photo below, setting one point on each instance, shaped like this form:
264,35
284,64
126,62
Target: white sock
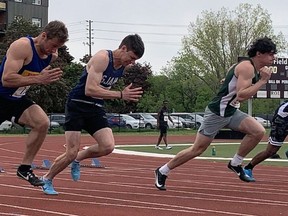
237,160
164,170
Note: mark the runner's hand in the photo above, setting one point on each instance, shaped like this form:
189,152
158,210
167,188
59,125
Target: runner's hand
132,94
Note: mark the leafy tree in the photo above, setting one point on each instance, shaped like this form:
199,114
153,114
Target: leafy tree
137,75
215,42
85,58
17,29
72,73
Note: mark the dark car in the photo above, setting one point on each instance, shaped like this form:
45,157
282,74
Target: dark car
115,120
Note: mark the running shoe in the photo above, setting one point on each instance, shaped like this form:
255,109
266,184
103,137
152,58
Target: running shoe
160,180
168,147
249,173
240,172
158,147
30,177
75,170
48,187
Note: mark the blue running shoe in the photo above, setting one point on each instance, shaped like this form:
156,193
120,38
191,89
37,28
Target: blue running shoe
75,170
48,187
240,172
250,174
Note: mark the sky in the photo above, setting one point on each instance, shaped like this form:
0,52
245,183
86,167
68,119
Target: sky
161,23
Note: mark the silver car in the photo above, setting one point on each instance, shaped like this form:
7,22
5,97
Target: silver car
132,123
149,121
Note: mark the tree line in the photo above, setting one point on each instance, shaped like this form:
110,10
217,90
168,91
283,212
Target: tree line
214,42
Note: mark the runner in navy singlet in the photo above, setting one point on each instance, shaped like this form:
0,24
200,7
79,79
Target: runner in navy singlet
27,63
84,108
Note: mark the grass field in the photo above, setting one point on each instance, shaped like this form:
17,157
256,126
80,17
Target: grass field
224,151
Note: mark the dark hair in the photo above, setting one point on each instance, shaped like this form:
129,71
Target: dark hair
56,29
134,43
262,45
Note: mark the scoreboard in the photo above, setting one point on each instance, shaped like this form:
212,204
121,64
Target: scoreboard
277,86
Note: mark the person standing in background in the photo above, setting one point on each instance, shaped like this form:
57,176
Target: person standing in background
162,117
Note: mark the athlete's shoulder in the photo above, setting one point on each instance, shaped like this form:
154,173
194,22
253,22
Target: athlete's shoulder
22,42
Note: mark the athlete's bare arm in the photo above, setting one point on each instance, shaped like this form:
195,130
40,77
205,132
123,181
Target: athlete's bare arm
245,73
19,54
95,68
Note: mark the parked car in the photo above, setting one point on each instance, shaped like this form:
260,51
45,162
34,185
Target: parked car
132,123
149,121
264,122
115,120
54,125
187,123
195,118
177,122
6,125
60,118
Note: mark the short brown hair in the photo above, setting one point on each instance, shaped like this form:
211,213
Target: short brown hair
56,29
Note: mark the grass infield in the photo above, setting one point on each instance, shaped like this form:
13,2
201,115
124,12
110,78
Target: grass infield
224,151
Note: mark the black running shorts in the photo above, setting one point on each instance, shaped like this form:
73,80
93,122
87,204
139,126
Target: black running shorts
82,116
12,110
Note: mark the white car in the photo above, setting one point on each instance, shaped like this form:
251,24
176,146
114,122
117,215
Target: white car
132,123
54,124
6,125
265,123
149,120
177,122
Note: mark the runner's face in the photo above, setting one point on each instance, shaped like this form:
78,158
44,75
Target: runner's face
50,46
268,58
128,57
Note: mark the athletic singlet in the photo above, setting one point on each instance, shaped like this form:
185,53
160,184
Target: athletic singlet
224,103
110,77
162,114
32,69
282,111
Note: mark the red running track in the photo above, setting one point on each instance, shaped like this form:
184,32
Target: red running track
126,186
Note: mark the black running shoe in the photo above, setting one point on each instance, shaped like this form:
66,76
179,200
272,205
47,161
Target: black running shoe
30,177
240,172
160,180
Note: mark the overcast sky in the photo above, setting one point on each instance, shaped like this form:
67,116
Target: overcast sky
160,23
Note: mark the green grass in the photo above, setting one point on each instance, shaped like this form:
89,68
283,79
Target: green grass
222,151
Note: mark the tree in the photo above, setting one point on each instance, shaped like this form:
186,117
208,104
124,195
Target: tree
137,75
17,29
215,42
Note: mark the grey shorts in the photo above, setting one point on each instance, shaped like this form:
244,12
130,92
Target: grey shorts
213,123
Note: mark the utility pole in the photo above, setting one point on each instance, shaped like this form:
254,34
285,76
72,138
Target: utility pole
90,37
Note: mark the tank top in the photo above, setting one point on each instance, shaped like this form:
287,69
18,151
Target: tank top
32,69
282,111
109,78
224,103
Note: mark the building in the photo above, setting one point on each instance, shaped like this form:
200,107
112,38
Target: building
35,11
